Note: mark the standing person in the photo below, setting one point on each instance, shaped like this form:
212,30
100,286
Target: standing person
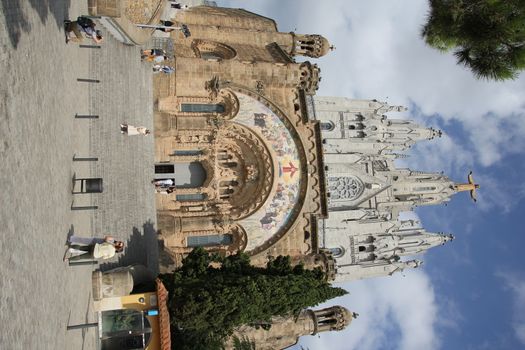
163,183
164,190
178,6
77,240
134,130
166,24
153,55
83,26
96,248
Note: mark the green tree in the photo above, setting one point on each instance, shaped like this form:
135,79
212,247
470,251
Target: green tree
207,303
486,36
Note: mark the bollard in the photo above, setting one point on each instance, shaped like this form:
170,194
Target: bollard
84,80
89,46
85,159
86,116
82,326
88,207
90,185
81,263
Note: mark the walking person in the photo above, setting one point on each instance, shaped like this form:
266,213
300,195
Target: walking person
134,130
82,27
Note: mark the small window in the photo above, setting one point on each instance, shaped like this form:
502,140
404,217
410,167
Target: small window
362,248
422,189
164,168
202,108
191,197
190,152
209,241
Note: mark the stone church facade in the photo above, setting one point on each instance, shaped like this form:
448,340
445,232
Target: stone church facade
263,166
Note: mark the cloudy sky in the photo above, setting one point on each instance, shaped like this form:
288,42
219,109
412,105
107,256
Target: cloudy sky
471,293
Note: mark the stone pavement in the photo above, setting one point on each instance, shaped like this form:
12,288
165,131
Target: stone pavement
39,136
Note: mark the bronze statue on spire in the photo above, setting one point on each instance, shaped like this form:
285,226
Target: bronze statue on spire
470,186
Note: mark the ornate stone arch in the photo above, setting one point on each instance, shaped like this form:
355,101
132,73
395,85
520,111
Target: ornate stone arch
294,213
212,50
254,169
230,102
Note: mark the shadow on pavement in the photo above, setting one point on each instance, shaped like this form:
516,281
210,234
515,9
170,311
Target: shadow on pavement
17,21
140,248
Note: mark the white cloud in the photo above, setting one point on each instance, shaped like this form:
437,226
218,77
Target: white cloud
515,283
382,55
394,305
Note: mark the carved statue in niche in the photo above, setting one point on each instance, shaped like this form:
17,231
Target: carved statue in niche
251,173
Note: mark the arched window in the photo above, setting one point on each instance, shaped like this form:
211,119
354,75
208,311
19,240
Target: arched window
345,187
337,252
209,241
210,56
327,126
202,108
211,50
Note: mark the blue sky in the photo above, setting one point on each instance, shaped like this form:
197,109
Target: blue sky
470,293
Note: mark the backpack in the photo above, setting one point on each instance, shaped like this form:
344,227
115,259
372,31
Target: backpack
85,22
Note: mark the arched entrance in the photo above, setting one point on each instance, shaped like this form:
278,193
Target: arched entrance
185,174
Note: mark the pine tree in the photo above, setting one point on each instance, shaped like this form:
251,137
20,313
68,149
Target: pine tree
486,36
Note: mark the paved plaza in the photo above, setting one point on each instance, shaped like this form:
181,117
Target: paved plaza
39,137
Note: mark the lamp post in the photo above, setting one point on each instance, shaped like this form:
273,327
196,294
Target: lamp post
183,28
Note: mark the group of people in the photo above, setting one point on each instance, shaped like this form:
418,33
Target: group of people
131,130
84,248
157,56
83,27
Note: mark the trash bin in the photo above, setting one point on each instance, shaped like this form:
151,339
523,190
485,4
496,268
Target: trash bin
93,185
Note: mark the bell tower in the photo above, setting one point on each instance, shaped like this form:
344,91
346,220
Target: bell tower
334,318
311,45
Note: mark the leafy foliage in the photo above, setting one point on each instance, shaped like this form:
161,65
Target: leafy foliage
486,36
207,303
243,344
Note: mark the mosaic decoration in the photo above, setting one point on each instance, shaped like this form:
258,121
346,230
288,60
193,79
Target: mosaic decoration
276,212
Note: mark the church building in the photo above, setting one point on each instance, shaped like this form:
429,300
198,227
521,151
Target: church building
263,166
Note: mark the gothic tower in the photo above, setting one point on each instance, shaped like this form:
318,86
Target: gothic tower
366,191
283,332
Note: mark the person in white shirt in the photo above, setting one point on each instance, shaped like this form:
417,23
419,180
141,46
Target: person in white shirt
80,248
